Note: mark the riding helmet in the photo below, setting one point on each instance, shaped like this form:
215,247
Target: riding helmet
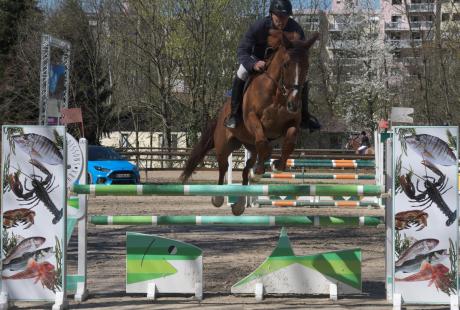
281,7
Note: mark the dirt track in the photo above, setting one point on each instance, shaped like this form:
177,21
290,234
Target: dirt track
229,254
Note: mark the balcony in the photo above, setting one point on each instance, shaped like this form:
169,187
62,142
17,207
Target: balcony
396,26
310,26
405,43
337,26
421,25
421,7
340,44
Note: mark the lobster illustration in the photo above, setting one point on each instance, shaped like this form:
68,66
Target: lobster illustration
41,187
434,189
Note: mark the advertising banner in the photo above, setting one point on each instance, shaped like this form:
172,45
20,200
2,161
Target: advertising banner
425,209
33,212
56,93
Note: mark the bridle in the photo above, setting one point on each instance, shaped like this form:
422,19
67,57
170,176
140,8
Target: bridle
280,84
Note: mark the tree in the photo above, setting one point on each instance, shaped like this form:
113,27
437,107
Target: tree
21,23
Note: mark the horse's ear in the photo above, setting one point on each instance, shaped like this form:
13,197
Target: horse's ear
275,38
308,43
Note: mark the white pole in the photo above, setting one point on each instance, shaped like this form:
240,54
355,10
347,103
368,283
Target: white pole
82,291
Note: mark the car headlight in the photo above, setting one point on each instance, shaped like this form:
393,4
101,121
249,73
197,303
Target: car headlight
101,169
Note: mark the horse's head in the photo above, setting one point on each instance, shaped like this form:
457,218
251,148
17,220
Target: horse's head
292,58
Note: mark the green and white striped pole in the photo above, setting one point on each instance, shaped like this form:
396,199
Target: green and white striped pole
207,220
229,190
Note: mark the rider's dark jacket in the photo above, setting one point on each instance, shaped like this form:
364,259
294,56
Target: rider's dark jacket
254,43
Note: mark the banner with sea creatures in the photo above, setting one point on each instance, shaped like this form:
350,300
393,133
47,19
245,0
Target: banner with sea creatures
33,211
425,209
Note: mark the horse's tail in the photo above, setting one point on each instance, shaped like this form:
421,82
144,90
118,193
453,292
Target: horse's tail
200,150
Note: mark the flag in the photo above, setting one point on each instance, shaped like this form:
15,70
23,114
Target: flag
383,124
69,116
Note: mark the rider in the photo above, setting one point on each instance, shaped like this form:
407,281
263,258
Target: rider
251,52
365,143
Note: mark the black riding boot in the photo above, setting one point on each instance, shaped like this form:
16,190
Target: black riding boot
237,97
308,121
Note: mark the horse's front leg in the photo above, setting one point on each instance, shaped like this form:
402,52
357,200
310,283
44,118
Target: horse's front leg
288,147
263,148
222,161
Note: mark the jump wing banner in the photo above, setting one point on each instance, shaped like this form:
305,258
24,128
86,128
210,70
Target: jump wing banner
33,212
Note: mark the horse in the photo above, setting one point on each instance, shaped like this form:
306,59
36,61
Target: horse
270,111
354,142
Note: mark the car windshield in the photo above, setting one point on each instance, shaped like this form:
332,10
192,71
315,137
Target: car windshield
102,153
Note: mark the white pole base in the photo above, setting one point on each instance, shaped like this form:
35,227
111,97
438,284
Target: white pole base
82,292
151,291
397,301
259,291
333,291
4,301
60,302
453,302
199,291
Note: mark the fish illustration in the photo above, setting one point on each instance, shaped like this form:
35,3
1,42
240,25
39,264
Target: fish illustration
415,264
27,245
20,263
39,148
418,248
44,272
437,274
432,149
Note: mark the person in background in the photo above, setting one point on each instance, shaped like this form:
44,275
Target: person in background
365,143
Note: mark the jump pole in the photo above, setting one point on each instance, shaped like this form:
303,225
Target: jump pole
226,190
210,220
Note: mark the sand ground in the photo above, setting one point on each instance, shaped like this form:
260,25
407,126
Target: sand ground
229,254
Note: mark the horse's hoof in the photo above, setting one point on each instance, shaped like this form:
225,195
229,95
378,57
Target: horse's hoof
274,165
256,177
217,201
239,206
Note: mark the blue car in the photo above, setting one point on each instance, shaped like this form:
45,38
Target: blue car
105,166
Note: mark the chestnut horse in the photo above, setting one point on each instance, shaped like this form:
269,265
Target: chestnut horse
270,109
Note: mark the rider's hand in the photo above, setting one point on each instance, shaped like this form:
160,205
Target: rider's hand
259,66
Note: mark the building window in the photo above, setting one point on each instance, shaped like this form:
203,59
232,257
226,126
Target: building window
395,36
414,18
395,2
396,18
445,17
456,16
416,35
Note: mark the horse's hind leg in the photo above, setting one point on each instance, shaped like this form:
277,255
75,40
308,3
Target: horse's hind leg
288,147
